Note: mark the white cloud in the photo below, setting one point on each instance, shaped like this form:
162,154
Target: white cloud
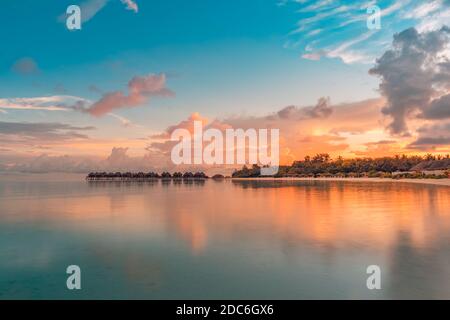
48,103
330,28
312,56
423,10
303,24
131,5
343,51
434,21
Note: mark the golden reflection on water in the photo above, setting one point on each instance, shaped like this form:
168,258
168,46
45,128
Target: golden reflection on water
327,214
222,239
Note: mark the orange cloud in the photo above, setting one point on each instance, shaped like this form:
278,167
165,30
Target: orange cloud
348,129
140,90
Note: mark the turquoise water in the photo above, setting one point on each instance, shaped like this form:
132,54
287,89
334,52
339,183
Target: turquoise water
222,239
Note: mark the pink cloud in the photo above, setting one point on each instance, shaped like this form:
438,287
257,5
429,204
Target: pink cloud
187,124
140,90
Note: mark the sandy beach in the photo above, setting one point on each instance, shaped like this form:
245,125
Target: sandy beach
440,182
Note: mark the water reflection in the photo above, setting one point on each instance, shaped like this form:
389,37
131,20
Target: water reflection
319,234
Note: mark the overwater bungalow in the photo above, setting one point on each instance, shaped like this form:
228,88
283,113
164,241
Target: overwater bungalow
141,176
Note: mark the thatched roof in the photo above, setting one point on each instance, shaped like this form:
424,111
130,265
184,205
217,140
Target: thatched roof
431,165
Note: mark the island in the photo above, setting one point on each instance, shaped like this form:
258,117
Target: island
323,166
320,166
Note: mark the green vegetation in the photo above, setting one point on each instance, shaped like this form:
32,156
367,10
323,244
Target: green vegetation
321,165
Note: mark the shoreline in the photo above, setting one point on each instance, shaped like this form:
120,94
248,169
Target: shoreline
438,182
81,176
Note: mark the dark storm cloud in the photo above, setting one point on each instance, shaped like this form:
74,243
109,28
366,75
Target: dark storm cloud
438,109
412,74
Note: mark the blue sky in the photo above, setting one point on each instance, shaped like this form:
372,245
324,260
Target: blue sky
236,47
221,59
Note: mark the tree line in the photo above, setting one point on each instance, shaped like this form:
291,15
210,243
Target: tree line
322,165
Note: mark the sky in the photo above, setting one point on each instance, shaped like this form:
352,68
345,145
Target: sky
110,94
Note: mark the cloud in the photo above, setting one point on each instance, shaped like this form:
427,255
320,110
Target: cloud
118,160
140,90
308,22
431,141
24,136
413,72
343,51
424,9
47,103
321,110
350,56
43,130
380,148
314,56
432,137
318,5
125,122
438,108
340,22
303,130
393,8
281,3
131,5
381,142
90,8
47,163
432,15
25,66
160,145
344,129
187,124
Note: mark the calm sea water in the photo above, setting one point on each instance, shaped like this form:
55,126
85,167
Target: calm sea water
223,239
